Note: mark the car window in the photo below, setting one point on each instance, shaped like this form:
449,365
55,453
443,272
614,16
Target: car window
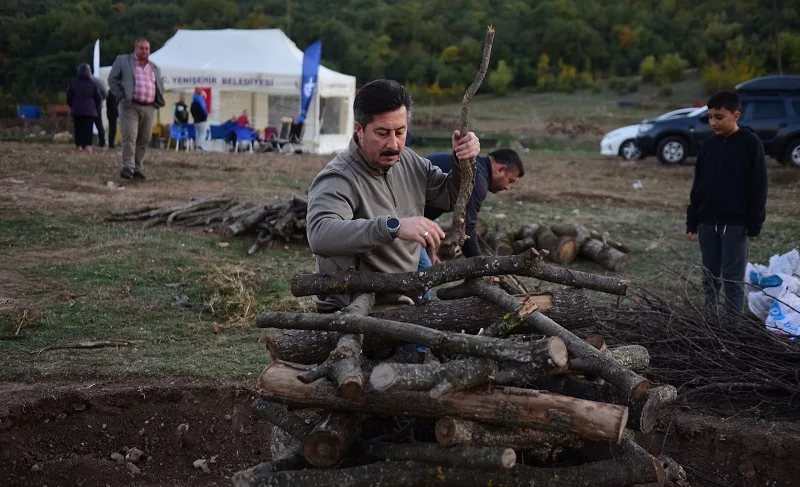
796,106
768,109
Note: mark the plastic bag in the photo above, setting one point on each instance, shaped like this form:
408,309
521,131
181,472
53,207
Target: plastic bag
784,314
788,263
760,301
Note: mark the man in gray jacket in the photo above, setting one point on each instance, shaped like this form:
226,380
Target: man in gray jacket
136,83
365,209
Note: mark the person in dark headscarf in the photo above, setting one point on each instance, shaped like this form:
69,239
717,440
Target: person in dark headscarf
84,100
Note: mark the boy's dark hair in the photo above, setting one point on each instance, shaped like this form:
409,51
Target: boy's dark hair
510,159
378,97
729,100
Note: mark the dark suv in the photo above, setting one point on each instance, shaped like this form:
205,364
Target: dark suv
770,106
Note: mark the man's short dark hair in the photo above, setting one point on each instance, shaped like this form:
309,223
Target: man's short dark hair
379,97
510,159
139,41
729,100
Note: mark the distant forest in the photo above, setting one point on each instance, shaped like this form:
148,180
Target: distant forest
434,45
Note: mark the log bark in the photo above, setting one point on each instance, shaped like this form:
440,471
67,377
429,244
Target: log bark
606,473
343,365
589,359
283,419
459,432
628,454
468,165
501,406
578,232
609,241
570,307
479,458
331,438
634,357
440,379
520,246
415,283
445,342
642,413
605,255
561,250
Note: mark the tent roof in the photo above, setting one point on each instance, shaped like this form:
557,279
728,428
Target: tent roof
267,51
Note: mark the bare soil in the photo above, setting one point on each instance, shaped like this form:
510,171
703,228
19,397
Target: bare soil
63,433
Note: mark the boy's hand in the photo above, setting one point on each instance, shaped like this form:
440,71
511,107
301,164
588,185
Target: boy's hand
692,236
751,238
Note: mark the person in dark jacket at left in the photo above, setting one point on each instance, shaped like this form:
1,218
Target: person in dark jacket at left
84,100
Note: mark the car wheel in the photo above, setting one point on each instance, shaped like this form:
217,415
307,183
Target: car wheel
792,156
629,151
672,150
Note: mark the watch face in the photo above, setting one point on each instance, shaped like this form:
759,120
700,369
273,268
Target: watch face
393,224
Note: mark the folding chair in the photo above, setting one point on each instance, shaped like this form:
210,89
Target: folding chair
178,133
244,135
296,138
282,137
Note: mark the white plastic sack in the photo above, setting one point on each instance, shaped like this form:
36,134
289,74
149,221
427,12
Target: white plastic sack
788,263
761,301
784,315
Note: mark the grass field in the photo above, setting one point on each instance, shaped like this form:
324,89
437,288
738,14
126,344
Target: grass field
68,275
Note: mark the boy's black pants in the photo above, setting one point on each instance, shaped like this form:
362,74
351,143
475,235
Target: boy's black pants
725,250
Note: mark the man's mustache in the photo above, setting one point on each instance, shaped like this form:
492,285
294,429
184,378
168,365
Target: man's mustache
392,152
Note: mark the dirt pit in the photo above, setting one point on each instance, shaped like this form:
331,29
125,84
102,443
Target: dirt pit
65,435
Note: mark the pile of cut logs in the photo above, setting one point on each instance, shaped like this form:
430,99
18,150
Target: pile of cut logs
562,243
278,220
505,392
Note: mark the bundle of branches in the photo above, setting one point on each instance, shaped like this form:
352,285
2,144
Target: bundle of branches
563,243
520,386
706,354
277,220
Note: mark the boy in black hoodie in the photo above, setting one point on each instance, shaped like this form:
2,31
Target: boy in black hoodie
728,199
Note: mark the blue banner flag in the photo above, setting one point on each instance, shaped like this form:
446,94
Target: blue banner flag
311,60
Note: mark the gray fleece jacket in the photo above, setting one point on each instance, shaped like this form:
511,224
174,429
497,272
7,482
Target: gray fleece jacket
349,203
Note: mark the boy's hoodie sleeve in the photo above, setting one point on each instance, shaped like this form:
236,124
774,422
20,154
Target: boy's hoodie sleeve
758,192
694,196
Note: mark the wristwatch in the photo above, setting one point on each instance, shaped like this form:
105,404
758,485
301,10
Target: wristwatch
393,224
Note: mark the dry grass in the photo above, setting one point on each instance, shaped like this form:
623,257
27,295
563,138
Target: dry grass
230,297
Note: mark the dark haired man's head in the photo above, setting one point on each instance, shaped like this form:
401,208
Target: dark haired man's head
506,168
724,110
382,109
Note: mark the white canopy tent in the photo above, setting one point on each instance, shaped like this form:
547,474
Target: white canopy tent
258,70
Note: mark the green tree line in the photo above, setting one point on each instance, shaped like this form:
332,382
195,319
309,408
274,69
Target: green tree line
433,45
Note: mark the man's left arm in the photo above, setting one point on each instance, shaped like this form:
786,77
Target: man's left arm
471,247
758,192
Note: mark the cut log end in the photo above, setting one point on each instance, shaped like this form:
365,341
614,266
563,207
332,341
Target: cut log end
323,449
352,387
567,251
383,377
446,431
509,458
558,352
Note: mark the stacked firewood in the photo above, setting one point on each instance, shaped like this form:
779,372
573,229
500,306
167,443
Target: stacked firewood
561,243
508,394
277,220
